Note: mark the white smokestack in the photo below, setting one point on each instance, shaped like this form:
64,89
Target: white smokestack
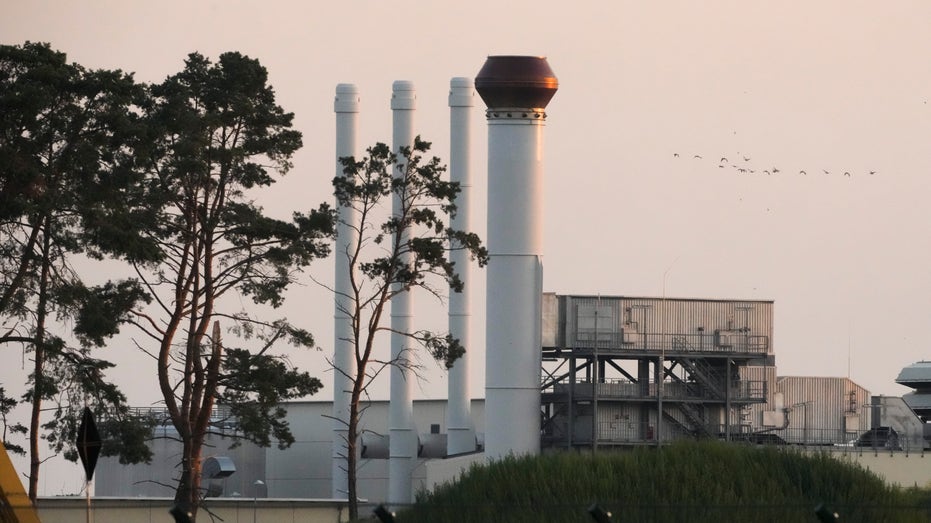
461,434
516,90
402,441
344,360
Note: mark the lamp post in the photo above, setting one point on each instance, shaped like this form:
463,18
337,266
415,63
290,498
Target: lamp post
596,379
255,498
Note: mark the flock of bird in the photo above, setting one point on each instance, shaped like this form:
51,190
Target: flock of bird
742,164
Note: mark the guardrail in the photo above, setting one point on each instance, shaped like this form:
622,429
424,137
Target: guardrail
623,431
743,390
673,343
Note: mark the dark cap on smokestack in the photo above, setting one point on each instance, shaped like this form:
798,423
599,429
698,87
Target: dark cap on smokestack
516,82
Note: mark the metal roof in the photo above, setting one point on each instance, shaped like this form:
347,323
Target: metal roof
915,375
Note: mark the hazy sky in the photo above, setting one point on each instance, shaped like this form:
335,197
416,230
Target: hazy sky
794,86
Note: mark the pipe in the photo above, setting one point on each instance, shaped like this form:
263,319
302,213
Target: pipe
346,107
516,90
402,433
458,411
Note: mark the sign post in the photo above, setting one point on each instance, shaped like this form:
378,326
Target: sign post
88,444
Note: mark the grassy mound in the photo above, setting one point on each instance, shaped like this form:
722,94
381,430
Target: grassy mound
689,481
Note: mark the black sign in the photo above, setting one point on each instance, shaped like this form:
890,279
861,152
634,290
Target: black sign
88,443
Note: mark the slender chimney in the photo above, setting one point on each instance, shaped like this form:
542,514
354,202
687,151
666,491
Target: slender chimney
460,433
344,361
402,442
516,90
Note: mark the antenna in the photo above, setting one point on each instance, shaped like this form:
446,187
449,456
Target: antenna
848,347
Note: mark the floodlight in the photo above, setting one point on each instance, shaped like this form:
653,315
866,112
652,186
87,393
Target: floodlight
599,514
825,514
383,514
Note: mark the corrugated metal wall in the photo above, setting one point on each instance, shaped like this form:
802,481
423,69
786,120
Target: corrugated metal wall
812,410
619,322
823,410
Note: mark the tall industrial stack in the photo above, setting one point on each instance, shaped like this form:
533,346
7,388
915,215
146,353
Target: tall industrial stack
460,432
347,116
516,90
402,440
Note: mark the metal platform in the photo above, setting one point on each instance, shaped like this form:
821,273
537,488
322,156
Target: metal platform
662,368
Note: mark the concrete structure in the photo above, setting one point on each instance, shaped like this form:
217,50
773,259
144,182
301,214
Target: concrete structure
516,90
912,434
67,509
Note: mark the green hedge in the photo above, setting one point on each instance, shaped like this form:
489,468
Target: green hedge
688,481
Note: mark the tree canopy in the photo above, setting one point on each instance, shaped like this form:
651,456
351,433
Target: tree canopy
67,193
97,168
407,250
214,136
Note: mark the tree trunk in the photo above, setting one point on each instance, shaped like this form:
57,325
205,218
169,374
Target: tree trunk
183,491
351,435
34,424
38,380
187,494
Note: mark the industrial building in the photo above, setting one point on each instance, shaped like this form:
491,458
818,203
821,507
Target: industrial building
573,372
562,371
635,370
918,377
301,471
599,377
612,363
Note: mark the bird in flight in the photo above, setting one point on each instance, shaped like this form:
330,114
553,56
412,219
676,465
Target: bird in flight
802,172
675,155
723,159
697,156
846,173
872,172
